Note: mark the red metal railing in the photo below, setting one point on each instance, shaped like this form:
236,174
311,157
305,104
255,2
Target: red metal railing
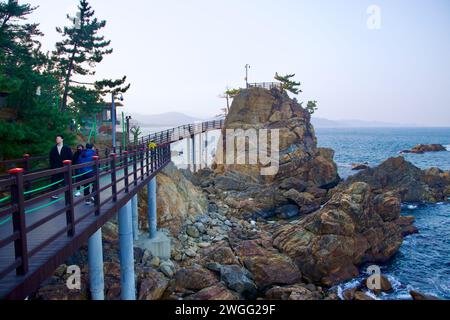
129,168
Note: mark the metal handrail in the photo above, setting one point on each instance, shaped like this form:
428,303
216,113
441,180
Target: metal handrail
266,85
133,174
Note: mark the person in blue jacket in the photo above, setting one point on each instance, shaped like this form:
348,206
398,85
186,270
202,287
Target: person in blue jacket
88,172
75,161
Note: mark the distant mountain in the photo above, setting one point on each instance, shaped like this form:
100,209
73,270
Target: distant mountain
164,119
326,123
173,119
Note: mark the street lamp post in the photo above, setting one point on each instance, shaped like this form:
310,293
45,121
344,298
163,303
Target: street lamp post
113,119
128,128
247,66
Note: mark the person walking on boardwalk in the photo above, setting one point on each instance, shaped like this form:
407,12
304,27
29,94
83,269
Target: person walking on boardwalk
87,172
75,161
58,154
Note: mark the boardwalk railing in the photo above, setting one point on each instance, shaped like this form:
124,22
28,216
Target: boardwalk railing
168,136
42,223
111,180
181,132
266,85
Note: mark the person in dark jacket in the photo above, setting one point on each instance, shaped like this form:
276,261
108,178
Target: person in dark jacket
58,154
75,161
88,172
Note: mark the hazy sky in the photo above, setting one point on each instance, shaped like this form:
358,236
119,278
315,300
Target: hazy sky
180,55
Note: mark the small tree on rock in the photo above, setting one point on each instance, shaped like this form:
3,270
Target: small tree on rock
311,107
288,84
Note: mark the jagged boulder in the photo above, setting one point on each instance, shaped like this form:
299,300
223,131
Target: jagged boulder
411,183
302,164
267,266
178,199
423,148
354,227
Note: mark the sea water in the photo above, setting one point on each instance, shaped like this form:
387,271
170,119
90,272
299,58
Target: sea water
423,261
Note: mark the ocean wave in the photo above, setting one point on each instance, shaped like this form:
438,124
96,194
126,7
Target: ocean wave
447,147
410,206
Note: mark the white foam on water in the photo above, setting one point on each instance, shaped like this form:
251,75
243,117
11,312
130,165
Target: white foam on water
447,147
348,285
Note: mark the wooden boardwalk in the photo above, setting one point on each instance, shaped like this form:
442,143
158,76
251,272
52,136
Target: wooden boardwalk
38,235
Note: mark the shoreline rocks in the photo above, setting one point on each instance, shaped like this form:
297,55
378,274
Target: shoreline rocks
424,148
329,245
408,181
360,166
418,296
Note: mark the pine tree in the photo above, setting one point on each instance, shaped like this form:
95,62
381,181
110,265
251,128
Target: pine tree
24,70
112,86
17,40
81,46
311,107
288,84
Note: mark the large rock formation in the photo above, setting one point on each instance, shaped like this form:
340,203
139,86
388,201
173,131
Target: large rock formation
409,182
354,227
178,199
423,148
303,167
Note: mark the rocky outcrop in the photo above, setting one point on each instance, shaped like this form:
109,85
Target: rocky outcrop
409,182
423,148
268,266
178,199
295,292
303,167
418,296
354,227
360,166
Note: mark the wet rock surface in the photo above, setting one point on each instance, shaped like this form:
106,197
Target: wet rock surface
328,246
403,178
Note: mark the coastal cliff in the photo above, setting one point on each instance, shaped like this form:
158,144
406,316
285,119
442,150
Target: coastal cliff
304,172
293,235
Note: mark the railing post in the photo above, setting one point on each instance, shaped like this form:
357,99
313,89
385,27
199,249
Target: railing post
142,164
152,160
97,185
135,168
168,154
125,171
147,160
113,177
70,212
19,225
26,162
26,167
